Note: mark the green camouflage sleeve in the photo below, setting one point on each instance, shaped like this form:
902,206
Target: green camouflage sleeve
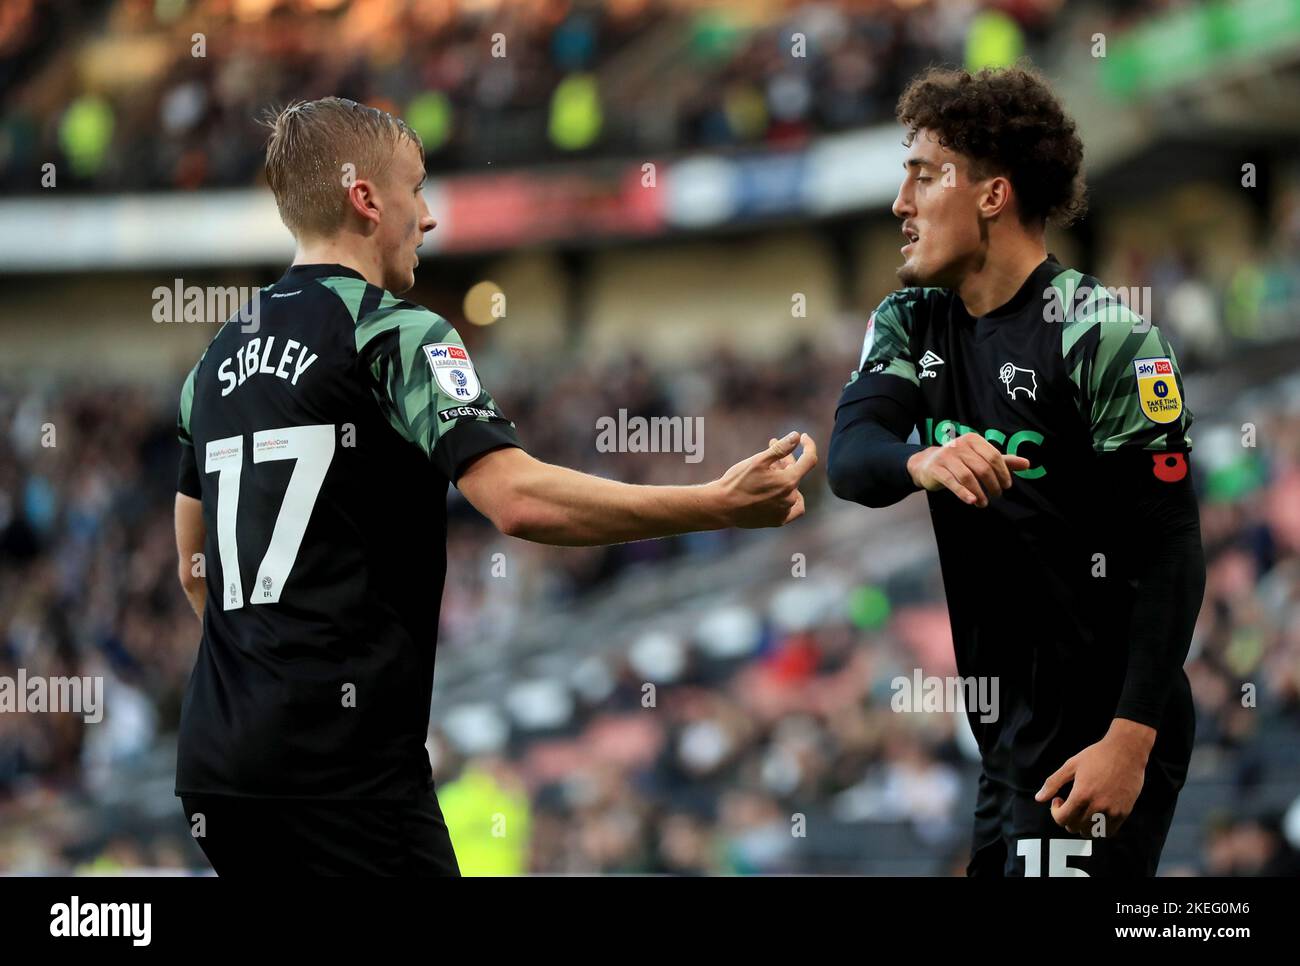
887,366
183,411
886,349
1126,379
187,476
427,387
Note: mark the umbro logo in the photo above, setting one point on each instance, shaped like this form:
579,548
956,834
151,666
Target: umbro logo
927,361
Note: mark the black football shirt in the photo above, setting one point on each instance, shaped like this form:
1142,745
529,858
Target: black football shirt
321,437
1065,375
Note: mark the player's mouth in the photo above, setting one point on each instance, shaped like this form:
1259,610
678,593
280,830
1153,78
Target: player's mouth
912,236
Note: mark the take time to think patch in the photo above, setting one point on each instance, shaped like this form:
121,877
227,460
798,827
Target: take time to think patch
1158,390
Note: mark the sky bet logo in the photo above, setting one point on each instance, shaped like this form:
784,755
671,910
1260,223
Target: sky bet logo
1154,367
449,352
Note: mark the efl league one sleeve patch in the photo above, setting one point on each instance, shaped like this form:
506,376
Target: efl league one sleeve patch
453,370
1158,390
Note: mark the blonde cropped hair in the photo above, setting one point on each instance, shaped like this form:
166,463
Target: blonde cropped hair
317,149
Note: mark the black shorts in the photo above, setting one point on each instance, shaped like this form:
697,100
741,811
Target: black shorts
1016,836
254,836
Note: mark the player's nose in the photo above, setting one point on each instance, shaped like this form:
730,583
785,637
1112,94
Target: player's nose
902,206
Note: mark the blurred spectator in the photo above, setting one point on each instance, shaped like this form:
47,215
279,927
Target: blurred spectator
172,92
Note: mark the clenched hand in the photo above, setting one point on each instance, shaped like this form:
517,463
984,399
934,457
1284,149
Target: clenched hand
969,466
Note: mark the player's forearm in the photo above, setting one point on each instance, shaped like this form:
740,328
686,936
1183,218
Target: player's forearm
1170,590
190,534
196,592
1170,586
868,459
555,505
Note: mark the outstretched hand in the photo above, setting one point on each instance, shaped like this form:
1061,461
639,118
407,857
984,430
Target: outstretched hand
763,491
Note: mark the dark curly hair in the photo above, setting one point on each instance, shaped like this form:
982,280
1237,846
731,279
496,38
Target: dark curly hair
1008,122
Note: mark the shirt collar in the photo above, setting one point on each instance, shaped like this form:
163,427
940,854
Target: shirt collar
1033,288
302,273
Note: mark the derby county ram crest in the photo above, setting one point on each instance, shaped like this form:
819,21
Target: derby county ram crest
1019,380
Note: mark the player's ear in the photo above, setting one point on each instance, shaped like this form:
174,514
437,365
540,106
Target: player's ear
995,196
364,200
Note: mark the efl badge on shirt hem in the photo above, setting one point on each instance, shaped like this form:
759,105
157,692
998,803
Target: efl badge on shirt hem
453,370
1158,390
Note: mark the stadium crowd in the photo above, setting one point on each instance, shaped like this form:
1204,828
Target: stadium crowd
155,94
